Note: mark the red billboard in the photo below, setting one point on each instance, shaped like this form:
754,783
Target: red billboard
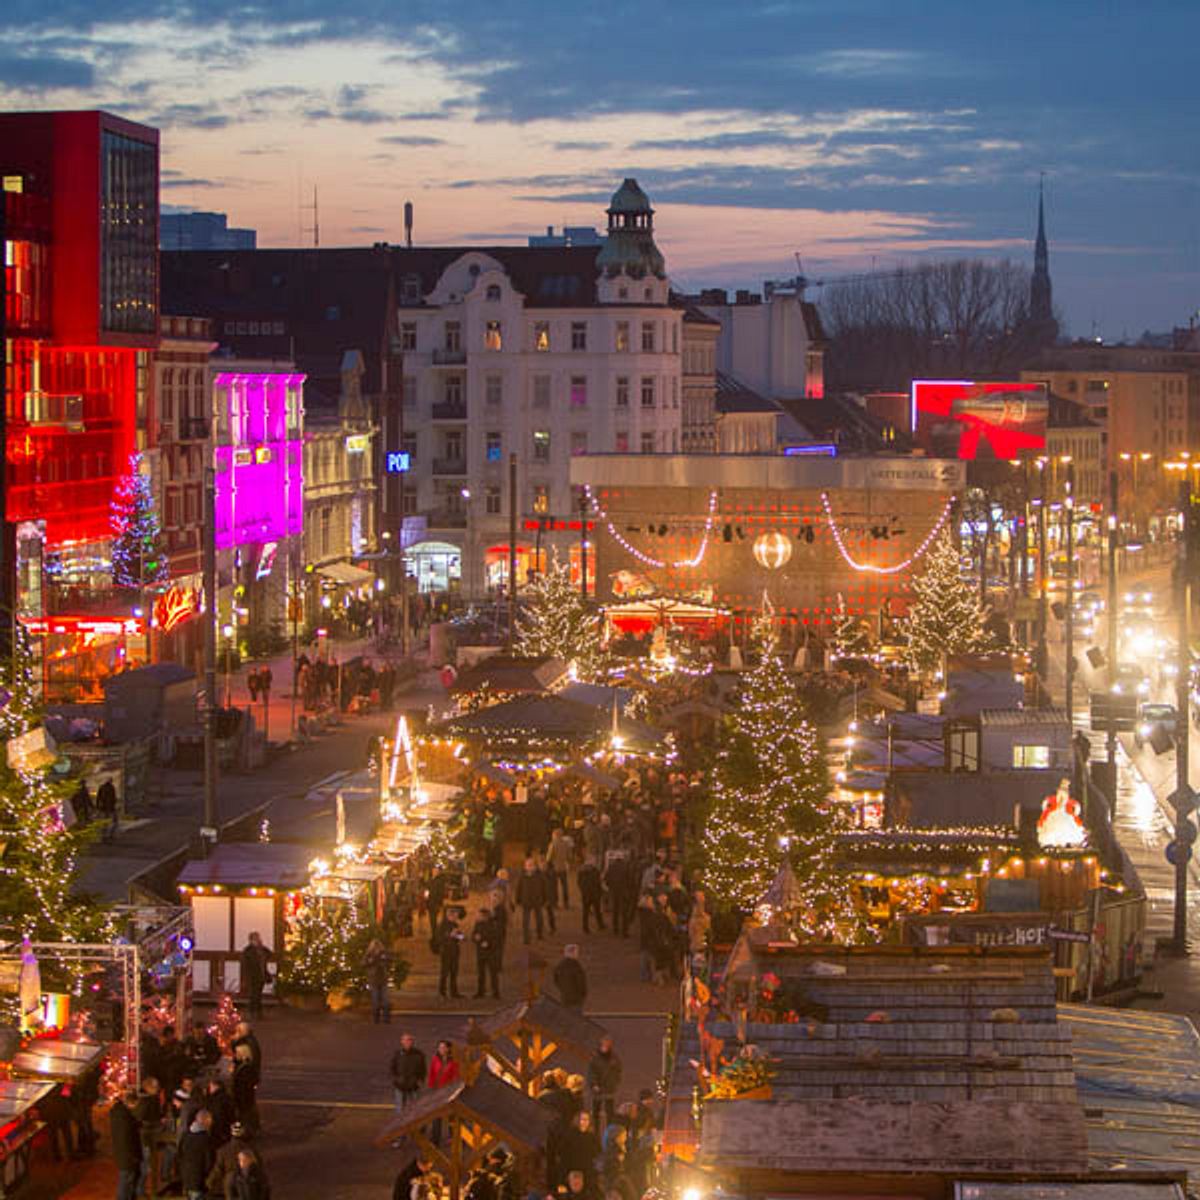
959,418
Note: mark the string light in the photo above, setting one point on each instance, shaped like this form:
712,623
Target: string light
648,560
870,568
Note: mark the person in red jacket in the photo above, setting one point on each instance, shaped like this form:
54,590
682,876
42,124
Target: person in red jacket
443,1071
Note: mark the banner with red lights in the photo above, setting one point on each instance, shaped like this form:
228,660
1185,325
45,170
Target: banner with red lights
965,419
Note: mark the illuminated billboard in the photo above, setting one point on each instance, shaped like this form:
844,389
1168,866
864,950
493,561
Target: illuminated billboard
962,419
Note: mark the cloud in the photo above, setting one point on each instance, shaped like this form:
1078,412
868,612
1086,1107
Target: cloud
190,182
188,116
746,139
412,140
581,145
45,71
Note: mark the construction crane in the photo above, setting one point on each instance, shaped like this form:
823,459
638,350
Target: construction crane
801,282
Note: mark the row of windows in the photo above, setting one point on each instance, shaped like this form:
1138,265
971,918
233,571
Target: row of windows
254,328
541,338
453,445
454,386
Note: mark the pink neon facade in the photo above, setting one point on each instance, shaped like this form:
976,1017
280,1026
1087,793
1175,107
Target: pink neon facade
258,457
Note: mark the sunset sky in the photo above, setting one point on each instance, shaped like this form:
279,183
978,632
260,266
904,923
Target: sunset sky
852,132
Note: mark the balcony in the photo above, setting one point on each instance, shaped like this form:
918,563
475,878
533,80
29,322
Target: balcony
449,358
450,466
447,518
449,411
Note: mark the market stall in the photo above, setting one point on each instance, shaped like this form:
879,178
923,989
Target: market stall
19,1125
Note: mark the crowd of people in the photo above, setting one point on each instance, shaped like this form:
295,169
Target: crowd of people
323,682
192,1126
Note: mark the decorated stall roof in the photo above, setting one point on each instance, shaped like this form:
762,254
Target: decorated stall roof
250,864
936,799
511,674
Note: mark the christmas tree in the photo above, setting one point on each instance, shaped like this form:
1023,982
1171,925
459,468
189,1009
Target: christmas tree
327,949
770,803
37,851
557,622
139,559
850,636
945,617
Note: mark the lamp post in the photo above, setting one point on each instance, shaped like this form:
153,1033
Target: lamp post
1183,600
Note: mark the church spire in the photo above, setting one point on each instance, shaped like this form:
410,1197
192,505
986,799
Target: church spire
1041,307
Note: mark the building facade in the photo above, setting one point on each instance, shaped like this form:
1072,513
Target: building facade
701,333
80,195
203,231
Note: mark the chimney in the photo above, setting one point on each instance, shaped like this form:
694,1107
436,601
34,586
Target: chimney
408,222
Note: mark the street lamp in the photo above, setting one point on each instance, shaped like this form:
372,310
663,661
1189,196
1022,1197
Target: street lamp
227,632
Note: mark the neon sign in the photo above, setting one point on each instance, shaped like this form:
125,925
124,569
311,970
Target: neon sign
397,462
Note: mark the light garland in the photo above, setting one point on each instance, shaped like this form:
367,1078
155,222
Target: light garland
647,559
870,568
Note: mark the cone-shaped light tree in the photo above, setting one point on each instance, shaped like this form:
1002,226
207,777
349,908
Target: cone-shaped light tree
770,803
850,635
945,617
139,557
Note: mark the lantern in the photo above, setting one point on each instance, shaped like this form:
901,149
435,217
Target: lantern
772,550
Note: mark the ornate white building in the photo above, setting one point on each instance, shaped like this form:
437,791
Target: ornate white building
545,353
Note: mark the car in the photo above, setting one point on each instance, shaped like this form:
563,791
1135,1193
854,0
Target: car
1091,602
1154,719
1131,680
1139,601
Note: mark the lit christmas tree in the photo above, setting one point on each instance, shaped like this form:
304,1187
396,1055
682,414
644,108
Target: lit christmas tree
556,621
945,617
37,851
224,1023
330,940
849,633
139,559
770,803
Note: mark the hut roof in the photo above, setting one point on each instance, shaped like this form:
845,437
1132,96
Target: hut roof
861,1134
569,1028
549,717
505,1110
259,864
510,673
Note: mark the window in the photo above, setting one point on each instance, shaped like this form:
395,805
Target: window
541,336
578,335
647,442
494,447
410,391
647,391
579,391
623,293
454,445
541,445
491,501
408,445
541,391
493,291
648,336
453,335
409,502
674,339
621,442
541,498
674,391
622,391
493,336
578,444
622,337
493,389
332,313
408,335
454,389
410,290
1031,757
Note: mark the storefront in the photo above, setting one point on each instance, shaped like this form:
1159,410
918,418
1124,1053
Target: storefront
80,652
436,566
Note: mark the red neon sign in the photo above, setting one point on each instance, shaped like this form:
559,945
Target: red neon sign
87,626
175,606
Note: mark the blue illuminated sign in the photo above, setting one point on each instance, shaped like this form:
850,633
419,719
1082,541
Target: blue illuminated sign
397,462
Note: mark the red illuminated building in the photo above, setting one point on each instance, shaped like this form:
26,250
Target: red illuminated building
81,307
80,207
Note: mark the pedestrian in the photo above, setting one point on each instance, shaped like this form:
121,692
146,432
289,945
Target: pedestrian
549,891
578,1187
125,1130
106,805
571,979
699,926
500,916
580,1149
536,831
408,1071
487,965
245,1089
377,963
647,938
252,685
219,1103
196,1156
603,1080
417,1168
618,878
493,841
243,1034
81,802
591,892
249,1181
531,896
443,1071
449,942
225,1160
560,856
201,1047
255,971
265,679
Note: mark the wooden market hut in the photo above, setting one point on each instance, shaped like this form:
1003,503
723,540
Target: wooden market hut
530,1036
481,1115
502,676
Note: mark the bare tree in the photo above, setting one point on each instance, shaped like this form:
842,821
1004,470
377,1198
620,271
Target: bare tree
968,317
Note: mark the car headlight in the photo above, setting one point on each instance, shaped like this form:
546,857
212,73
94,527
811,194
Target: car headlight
1144,730
1116,687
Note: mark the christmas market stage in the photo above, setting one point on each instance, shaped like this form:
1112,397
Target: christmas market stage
800,530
